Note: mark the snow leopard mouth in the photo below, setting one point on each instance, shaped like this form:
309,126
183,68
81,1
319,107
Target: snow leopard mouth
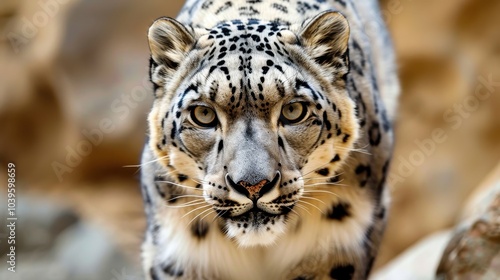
256,227
258,217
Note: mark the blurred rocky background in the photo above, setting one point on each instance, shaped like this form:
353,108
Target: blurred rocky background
74,97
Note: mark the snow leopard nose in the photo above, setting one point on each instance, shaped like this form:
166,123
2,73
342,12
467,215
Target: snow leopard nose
255,191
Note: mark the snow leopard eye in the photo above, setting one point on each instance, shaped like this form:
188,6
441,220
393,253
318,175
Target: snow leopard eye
293,113
204,116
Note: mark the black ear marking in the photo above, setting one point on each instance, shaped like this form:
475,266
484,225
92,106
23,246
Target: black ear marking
326,37
328,29
169,42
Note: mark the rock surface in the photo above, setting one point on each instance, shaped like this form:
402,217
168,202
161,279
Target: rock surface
471,251
474,250
52,243
419,262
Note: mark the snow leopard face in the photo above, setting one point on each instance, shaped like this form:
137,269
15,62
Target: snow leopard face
247,112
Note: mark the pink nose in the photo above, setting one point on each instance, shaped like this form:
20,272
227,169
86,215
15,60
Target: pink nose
256,190
253,189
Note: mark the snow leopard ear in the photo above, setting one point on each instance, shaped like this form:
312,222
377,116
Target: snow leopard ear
325,37
169,42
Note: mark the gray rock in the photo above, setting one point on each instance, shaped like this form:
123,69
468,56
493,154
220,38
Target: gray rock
53,244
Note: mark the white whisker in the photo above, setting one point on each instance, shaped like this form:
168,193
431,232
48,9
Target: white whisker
319,178
198,181
303,208
358,150
205,216
204,211
184,196
218,215
321,211
179,185
188,204
291,209
315,169
328,184
153,161
313,198
321,191
196,209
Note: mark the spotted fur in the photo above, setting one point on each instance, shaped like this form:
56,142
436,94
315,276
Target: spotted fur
252,194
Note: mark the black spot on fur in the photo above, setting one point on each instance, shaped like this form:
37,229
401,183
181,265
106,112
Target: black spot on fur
199,229
381,184
211,70
341,2
335,179
160,190
302,84
249,131
326,121
323,172
154,233
182,177
381,213
369,266
368,234
224,7
280,142
385,121
375,134
173,198
339,211
171,270
145,195
342,272
221,145
280,7
280,88
335,158
152,66
364,172
153,274
346,137
174,130
255,38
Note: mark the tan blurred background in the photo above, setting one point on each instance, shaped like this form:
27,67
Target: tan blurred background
74,98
